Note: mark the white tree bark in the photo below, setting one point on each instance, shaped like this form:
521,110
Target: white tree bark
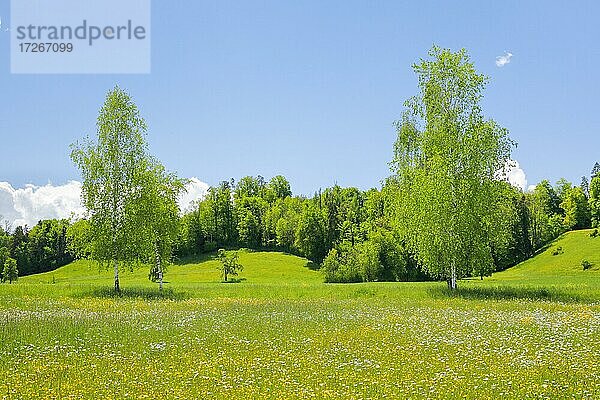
117,287
453,277
158,266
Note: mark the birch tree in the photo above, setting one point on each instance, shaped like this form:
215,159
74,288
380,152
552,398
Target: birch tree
158,217
112,168
446,157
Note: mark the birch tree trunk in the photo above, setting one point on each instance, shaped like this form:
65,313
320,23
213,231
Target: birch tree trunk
158,266
453,276
117,287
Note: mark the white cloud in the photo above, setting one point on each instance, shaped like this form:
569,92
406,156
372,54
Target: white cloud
504,59
32,203
515,175
195,190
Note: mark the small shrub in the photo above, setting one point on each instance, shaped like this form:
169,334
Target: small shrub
557,251
594,233
229,264
10,272
586,264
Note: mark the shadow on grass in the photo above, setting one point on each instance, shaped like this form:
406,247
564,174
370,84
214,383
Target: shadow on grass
313,266
234,280
136,293
510,293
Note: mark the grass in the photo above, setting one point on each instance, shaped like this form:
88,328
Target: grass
529,332
562,275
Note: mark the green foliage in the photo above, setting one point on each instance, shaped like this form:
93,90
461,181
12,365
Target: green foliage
10,272
311,233
249,186
113,169
545,215
130,198
586,264
595,170
594,202
446,158
577,210
563,187
157,215
229,263
380,258
509,234
79,240
251,214
47,247
278,188
342,267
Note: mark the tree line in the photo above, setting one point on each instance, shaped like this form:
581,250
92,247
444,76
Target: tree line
445,212
351,233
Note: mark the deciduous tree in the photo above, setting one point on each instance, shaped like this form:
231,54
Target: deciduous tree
446,158
112,168
577,211
10,272
229,263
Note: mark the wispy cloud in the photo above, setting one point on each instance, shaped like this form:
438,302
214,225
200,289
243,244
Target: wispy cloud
504,59
28,205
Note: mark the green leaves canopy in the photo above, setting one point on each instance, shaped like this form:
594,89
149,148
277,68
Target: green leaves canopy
446,158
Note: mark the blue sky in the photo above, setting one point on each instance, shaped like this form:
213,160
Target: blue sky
310,89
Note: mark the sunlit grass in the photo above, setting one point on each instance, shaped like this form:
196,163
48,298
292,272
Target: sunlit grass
282,333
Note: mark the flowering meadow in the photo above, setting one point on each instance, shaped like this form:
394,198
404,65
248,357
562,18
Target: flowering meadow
271,336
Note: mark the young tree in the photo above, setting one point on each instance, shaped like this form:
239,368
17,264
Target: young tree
112,168
585,186
10,272
158,217
4,246
562,188
595,170
278,188
595,201
79,239
577,211
311,239
229,263
446,158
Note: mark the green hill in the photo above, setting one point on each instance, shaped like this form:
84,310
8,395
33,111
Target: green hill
275,274
561,259
259,268
557,269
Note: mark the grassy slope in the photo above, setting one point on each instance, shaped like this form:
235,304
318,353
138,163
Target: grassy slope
547,277
272,274
282,333
259,267
576,246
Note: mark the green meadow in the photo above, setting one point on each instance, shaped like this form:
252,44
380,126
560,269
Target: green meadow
530,332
